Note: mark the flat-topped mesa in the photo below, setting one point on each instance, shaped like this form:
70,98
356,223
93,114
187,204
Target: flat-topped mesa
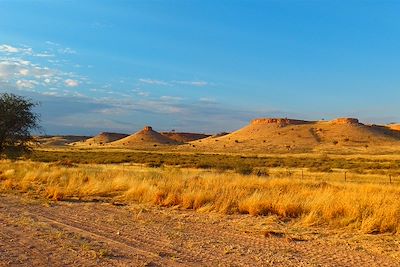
280,122
345,121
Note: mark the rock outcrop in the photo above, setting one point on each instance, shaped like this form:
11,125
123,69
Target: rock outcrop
345,121
280,122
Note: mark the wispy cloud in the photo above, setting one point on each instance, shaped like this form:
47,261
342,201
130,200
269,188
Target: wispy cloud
171,83
52,43
50,93
61,49
171,98
111,111
207,100
66,50
140,92
192,83
44,54
151,81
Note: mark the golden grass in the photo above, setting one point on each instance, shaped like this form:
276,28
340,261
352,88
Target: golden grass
371,208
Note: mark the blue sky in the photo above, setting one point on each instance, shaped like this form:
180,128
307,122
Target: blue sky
204,66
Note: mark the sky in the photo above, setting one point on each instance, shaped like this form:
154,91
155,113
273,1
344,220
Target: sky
200,66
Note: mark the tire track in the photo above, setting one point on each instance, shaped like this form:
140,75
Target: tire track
165,237
18,242
143,244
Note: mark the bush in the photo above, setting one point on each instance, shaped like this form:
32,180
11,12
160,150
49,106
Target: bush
261,172
154,164
244,170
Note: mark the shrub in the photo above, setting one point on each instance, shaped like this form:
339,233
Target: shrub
244,170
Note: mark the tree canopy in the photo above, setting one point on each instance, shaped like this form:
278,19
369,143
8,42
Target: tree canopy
17,121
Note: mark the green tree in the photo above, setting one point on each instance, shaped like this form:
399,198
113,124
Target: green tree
17,121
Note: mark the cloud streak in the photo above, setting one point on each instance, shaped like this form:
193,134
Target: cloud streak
154,82
192,83
174,83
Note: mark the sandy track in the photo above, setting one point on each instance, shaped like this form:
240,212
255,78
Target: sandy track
101,234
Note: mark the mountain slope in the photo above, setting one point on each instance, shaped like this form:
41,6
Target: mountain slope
101,139
184,137
144,138
282,134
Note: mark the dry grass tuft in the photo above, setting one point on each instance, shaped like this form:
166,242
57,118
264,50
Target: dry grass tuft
371,208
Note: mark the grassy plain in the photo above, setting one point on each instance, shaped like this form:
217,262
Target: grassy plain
361,164
309,191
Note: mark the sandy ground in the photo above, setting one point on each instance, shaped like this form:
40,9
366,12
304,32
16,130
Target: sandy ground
98,233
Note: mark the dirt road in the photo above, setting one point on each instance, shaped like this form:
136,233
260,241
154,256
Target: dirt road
97,233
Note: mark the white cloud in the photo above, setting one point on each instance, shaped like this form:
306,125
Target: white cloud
8,49
24,72
14,67
52,43
26,84
66,50
207,100
56,47
140,92
71,83
169,83
156,82
44,54
22,68
171,98
193,83
50,93
158,106
144,94
24,51
111,111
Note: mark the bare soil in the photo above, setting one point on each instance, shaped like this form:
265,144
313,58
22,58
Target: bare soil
99,233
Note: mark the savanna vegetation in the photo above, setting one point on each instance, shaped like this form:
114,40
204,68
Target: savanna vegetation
243,164
371,208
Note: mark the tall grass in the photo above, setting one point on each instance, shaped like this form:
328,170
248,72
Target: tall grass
370,208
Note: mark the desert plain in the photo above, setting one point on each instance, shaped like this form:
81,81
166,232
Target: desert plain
278,192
